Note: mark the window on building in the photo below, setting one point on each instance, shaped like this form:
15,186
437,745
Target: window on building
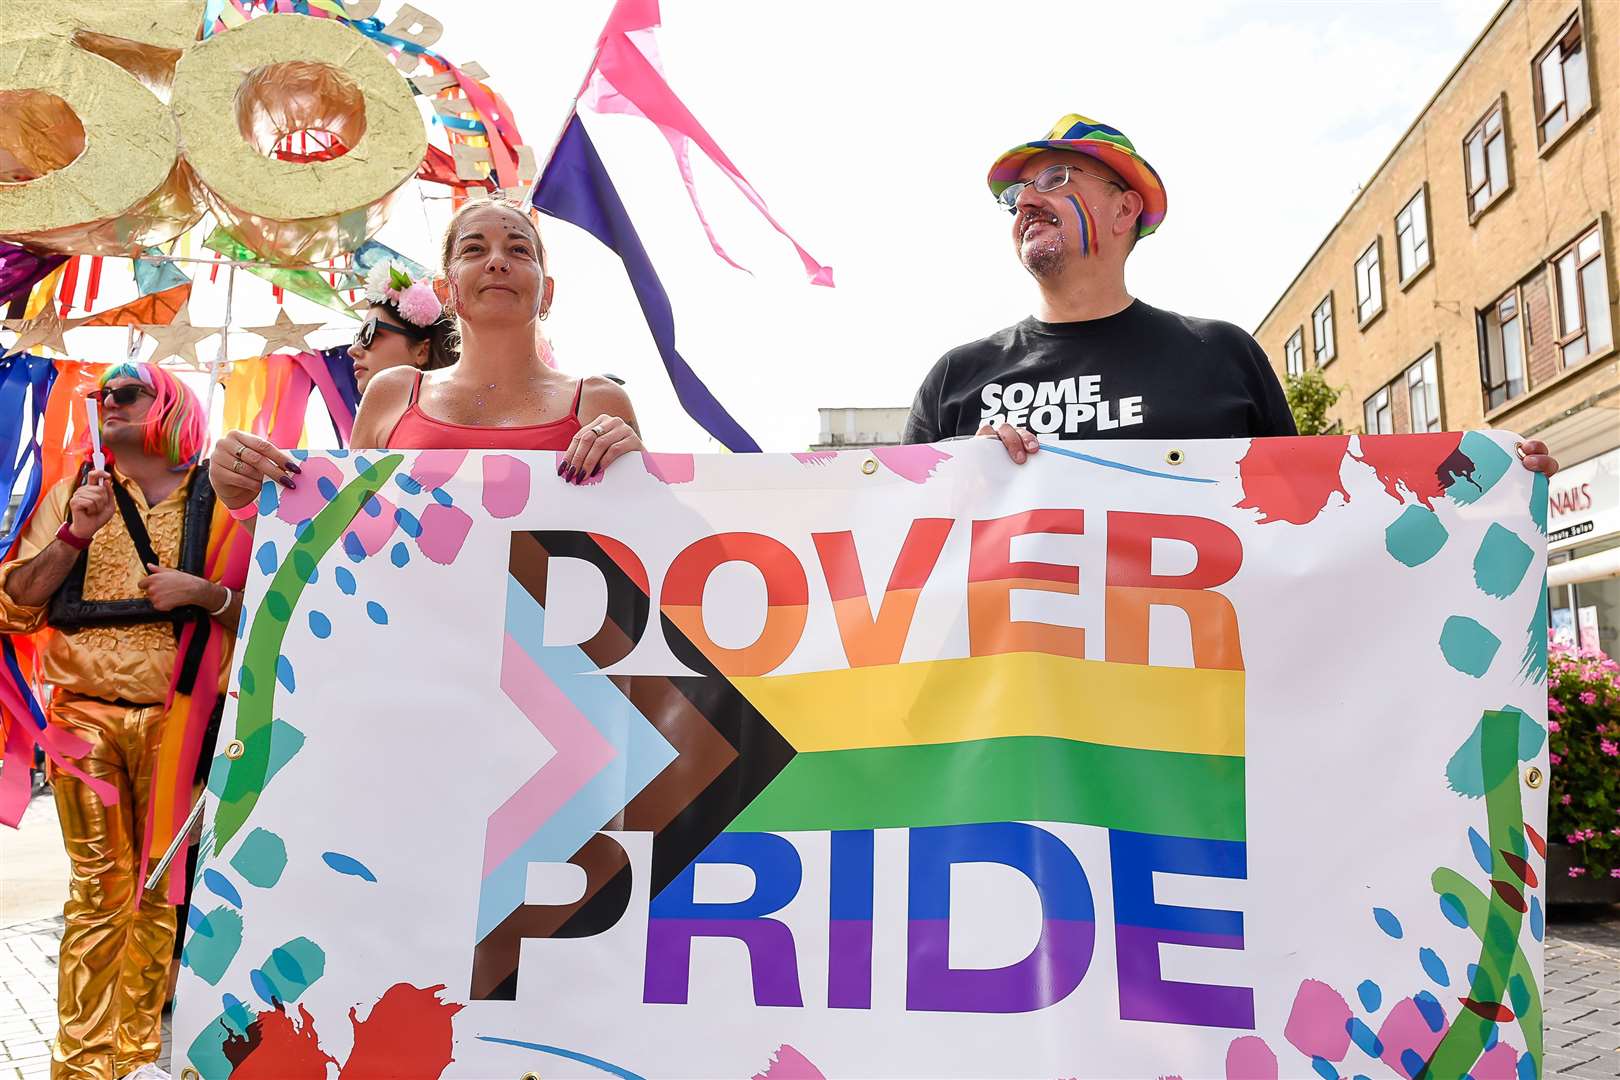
1369,285
1379,415
1294,353
1563,91
1584,328
1423,393
1412,236
1501,351
1322,331
1485,161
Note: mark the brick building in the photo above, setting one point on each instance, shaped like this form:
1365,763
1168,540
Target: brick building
1471,282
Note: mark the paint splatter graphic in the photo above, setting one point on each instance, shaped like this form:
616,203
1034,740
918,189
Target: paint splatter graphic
788,1064
345,864
407,1033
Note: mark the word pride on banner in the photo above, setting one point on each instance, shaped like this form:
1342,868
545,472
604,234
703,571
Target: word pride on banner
1214,759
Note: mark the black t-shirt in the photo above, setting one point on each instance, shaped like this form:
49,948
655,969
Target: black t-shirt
1140,374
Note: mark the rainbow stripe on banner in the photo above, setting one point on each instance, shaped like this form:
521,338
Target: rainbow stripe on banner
1015,737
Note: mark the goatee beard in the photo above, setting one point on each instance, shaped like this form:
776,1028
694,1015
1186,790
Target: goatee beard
1044,261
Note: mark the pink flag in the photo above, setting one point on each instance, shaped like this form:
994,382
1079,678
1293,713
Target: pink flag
628,78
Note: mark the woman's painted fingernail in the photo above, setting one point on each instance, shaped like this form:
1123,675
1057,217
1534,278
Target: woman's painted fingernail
596,471
294,467
561,465
287,483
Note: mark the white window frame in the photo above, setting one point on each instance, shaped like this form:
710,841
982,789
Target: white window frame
1546,110
1294,353
1493,186
1487,327
1587,249
1323,346
1424,377
1376,409
1370,283
1417,222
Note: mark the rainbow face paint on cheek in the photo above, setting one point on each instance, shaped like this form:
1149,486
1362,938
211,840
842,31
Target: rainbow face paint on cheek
1088,226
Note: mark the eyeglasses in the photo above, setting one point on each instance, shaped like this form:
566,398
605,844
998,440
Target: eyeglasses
1048,179
123,396
368,332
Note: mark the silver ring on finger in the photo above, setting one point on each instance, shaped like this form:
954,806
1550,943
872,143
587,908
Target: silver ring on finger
239,448
236,466
597,428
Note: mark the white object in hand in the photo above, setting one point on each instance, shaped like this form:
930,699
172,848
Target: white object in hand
98,460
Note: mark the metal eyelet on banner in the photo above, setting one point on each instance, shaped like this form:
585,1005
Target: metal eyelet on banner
1533,777
1175,457
530,1076
234,749
869,466
189,1073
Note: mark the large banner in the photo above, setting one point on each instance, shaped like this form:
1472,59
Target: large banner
1211,759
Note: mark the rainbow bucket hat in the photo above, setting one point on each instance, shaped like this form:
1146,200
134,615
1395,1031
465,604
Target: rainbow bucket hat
1079,135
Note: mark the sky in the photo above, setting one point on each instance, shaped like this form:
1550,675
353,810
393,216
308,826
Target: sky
869,127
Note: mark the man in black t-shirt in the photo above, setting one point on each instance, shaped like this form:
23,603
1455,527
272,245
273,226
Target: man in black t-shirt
1093,362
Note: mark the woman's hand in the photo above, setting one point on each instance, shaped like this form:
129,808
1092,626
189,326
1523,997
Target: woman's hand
168,589
241,463
597,445
1536,457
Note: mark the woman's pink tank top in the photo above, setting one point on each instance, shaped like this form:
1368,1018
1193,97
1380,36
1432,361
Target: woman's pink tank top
416,430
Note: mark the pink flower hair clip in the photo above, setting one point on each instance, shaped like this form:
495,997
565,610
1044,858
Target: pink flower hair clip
417,303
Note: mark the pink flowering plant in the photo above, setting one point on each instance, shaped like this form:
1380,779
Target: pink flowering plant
1583,724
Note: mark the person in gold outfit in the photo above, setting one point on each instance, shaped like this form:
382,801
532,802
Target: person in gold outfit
112,563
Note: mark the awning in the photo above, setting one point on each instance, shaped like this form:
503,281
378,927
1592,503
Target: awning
1605,564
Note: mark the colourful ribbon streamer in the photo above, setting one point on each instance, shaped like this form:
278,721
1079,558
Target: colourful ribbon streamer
25,388
624,79
576,188
26,728
269,397
333,374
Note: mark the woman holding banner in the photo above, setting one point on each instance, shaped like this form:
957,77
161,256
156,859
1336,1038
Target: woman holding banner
501,395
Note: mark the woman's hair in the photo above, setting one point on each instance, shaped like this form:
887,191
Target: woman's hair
175,424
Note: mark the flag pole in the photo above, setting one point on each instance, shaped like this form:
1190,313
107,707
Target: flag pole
573,110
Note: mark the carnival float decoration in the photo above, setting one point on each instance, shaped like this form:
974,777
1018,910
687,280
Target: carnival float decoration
143,145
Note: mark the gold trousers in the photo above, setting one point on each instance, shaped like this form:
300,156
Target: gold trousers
112,975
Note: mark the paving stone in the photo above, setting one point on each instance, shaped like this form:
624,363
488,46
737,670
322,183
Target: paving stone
1559,1037
1555,1062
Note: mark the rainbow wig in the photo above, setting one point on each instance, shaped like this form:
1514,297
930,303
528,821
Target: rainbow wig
175,424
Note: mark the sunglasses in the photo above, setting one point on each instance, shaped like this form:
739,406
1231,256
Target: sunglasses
1050,179
368,332
125,395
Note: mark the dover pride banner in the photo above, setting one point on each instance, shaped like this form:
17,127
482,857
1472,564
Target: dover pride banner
1211,759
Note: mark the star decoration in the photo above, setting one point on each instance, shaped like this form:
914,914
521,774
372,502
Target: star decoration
45,329
284,334
178,338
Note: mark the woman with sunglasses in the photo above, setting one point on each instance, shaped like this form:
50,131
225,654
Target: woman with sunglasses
500,395
405,327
